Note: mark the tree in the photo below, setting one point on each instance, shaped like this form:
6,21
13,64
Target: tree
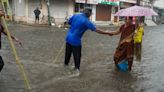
49,17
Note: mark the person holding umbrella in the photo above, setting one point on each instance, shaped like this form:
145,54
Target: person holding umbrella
123,56
124,51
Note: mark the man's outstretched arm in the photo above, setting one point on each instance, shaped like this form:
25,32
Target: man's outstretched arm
103,32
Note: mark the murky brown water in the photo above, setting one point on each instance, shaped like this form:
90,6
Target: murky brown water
43,56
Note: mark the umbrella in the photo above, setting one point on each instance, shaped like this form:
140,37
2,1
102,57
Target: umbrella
136,11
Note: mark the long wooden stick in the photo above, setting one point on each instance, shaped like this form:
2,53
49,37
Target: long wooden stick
22,70
21,67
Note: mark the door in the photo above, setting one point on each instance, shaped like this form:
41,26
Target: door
103,13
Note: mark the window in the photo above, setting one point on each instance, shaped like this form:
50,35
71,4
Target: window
79,7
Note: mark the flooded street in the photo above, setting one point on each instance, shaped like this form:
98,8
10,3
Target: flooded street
43,55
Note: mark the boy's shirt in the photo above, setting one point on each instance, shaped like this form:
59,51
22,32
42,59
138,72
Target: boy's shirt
138,35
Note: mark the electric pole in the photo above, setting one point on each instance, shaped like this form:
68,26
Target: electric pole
48,8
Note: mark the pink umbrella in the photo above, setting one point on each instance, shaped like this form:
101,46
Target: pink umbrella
136,11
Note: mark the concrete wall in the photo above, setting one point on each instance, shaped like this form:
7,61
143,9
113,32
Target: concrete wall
159,3
59,9
19,10
71,7
23,10
93,17
32,4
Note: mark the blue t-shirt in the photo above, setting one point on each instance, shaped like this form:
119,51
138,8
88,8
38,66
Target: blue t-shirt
79,24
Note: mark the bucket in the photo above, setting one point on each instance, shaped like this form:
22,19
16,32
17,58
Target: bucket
123,65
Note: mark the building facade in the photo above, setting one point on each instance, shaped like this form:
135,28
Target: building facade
23,10
127,3
103,10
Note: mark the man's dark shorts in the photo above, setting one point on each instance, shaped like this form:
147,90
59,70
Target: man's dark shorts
37,17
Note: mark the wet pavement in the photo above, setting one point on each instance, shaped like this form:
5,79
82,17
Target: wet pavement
43,54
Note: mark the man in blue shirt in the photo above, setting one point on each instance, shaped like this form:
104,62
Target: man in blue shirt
80,23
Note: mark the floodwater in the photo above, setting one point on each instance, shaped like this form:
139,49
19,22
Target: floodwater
43,54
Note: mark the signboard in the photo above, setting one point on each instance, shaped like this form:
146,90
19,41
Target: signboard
87,1
92,1
129,1
109,2
80,1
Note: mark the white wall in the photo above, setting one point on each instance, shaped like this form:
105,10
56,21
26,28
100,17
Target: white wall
32,4
159,3
19,8
59,8
94,13
71,7
22,11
